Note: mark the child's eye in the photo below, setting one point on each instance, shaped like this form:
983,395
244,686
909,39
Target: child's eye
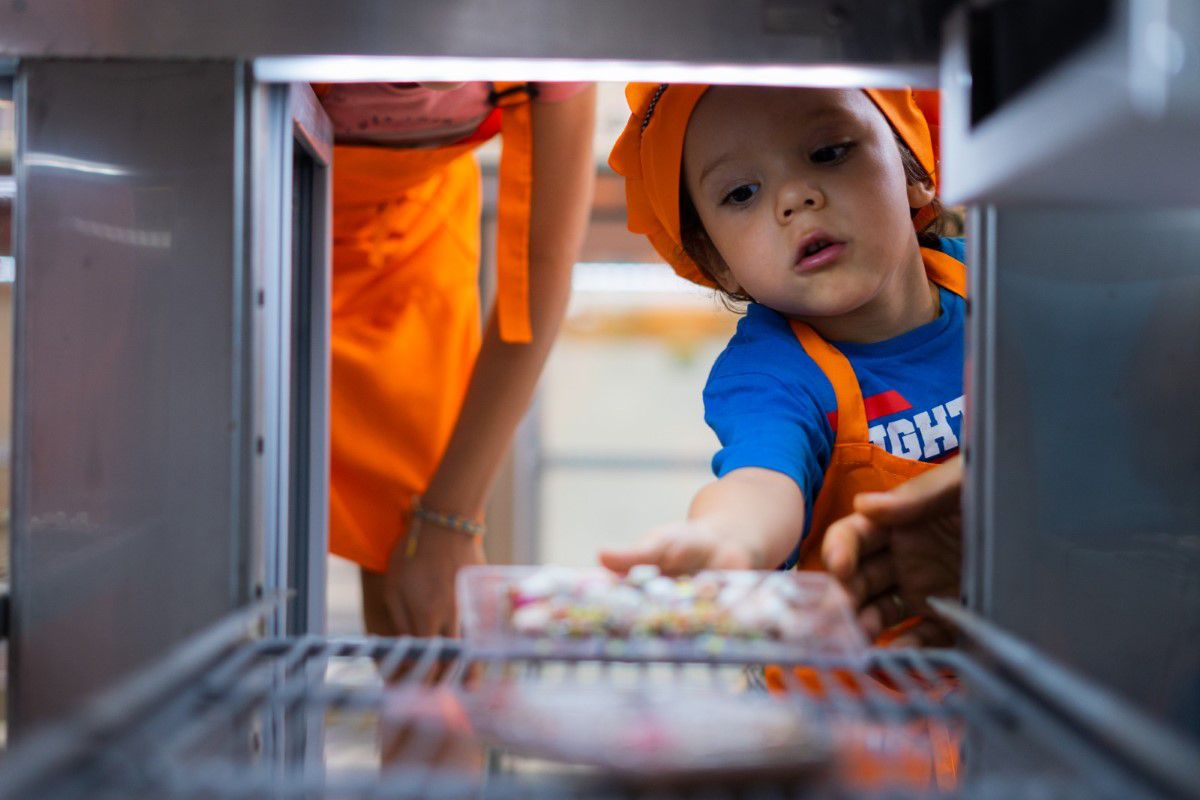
832,154
741,195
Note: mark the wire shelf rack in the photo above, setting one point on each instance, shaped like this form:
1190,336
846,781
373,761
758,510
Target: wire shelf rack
311,717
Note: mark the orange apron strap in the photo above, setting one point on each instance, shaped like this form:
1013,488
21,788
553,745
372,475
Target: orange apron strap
945,270
851,412
513,212
852,425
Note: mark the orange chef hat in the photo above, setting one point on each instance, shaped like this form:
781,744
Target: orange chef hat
649,154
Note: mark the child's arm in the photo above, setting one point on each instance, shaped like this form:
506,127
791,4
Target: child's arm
751,518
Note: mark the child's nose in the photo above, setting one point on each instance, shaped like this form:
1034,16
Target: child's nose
799,196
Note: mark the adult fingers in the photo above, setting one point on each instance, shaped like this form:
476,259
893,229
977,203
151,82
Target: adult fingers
882,613
848,540
875,574
925,634
934,492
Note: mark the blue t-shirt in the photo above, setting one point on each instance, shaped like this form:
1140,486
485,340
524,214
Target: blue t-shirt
771,406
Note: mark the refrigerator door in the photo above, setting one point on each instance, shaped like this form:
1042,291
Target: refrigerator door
1084,365
170,364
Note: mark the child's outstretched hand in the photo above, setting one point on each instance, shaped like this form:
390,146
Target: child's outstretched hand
750,518
680,548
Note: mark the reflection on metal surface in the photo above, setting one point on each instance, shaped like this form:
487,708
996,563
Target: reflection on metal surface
1086,444
350,69
55,161
134,237
129,393
875,32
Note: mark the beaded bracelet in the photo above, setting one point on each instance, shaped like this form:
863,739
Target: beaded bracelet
454,522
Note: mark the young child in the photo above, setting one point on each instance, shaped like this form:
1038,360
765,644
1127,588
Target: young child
818,207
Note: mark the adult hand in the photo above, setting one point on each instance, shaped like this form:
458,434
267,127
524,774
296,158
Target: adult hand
899,548
680,548
418,591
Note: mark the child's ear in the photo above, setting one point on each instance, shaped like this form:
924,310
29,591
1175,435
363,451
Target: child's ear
920,195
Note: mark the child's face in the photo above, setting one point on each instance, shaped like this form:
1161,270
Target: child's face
776,174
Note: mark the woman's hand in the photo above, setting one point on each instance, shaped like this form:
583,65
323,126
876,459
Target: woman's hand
418,591
681,548
899,548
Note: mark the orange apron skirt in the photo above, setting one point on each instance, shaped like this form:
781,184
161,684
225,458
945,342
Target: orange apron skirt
406,324
404,336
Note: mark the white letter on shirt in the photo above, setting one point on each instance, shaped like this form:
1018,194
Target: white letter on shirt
902,438
955,406
878,436
932,433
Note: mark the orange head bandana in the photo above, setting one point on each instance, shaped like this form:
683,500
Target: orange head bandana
649,154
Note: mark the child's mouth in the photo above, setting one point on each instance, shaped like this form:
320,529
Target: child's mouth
817,250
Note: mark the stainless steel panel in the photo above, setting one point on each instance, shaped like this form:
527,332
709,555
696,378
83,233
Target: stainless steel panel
133,413
293,147
712,31
1085,443
1117,123
311,285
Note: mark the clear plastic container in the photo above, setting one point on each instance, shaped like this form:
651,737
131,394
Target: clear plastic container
715,615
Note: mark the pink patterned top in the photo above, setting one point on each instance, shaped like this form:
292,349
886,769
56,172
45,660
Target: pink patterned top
411,115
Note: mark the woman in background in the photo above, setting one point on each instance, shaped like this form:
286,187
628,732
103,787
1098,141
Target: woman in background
424,402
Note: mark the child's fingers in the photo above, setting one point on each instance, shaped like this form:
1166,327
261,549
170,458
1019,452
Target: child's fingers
685,555
623,559
732,558
847,541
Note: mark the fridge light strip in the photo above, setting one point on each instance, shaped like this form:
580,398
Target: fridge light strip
365,69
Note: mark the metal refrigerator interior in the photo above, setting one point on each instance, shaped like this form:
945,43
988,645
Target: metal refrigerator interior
170,408
172,281
1081,161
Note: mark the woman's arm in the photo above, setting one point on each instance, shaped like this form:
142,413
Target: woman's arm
505,374
750,518
420,589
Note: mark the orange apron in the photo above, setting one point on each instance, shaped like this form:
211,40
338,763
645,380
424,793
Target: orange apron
406,317
856,466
